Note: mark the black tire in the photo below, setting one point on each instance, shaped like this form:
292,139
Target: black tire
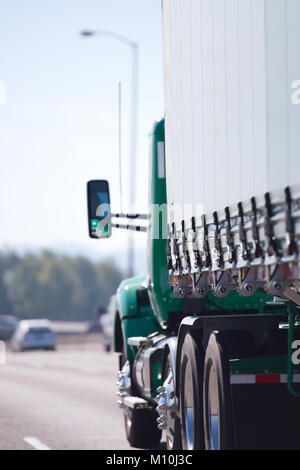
141,427
191,402
122,357
218,422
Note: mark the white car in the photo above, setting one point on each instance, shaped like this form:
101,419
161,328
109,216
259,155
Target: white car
33,334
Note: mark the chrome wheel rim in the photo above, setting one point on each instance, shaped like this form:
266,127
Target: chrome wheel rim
213,411
166,407
169,384
188,404
128,422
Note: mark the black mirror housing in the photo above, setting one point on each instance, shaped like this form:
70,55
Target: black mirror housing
99,214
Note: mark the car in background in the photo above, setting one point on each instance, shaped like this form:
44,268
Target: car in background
33,334
107,324
8,324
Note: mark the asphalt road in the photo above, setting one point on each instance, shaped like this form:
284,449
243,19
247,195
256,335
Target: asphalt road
61,400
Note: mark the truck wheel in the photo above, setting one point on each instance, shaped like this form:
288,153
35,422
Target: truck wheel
218,424
191,405
141,427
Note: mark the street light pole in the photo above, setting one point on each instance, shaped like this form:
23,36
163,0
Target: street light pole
133,123
133,148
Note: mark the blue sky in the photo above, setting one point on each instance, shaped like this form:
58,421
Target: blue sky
58,127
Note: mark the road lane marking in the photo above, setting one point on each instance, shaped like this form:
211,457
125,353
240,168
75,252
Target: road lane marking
36,443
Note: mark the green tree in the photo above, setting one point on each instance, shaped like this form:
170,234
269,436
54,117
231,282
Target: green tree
55,287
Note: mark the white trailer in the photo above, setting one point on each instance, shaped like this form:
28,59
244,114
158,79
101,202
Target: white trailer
232,118
232,114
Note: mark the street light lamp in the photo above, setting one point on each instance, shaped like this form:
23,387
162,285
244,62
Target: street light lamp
133,120
119,37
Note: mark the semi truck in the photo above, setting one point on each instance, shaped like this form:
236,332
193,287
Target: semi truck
208,339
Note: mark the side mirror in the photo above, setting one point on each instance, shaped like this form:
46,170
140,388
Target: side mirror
99,214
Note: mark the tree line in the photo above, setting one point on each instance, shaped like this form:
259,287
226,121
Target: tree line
48,285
